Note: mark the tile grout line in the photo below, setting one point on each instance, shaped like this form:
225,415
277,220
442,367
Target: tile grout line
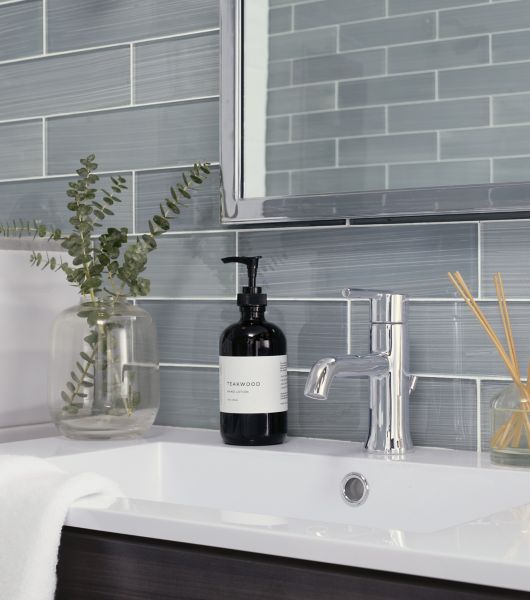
348,326
44,147
186,34
133,201
200,32
479,417
180,365
91,111
206,98
399,16
62,175
369,48
443,376
131,73
331,299
479,261
44,27
237,264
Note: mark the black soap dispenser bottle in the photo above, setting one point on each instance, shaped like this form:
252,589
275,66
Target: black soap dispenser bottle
252,370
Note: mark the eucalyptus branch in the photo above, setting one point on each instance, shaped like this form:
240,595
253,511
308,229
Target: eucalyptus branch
105,257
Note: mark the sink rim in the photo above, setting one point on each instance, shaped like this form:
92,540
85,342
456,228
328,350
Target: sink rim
474,552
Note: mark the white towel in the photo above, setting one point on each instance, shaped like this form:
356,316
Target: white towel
34,499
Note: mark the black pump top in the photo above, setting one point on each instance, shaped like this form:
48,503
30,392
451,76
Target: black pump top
250,294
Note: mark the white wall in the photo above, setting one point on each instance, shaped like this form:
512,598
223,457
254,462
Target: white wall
29,301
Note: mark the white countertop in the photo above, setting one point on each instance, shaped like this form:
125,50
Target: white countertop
437,513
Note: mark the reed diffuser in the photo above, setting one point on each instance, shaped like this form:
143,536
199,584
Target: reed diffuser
510,423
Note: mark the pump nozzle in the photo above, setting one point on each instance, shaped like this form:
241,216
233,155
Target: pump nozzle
251,294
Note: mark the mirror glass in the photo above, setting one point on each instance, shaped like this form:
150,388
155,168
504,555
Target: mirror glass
346,96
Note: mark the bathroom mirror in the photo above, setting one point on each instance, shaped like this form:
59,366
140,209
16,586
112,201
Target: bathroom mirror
373,109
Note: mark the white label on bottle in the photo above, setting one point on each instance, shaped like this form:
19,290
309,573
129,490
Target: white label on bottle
253,384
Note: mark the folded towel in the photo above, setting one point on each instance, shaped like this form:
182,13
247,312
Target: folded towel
34,499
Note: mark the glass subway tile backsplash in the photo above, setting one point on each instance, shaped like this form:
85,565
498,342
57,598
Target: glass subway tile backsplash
147,113
438,86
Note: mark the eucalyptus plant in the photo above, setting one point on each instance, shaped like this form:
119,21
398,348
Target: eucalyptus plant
104,265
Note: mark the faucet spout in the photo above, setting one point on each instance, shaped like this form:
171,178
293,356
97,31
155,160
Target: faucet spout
387,366
326,369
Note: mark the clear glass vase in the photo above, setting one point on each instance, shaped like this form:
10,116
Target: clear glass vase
510,428
104,373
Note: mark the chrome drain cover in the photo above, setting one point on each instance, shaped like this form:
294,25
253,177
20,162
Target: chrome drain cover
354,489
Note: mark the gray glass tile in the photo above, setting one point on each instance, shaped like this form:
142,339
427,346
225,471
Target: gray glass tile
278,129
21,149
323,181
343,416
413,259
446,114
280,20
331,12
504,250
477,81
277,184
312,329
190,266
136,138
283,2
443,413
387,90
45,200
511,46
439,174
300,155
484,19
411,147
332,67
447,339
301,44
279,73
511,109
472,143
188,332
177,69
189,398
488,391
201,212
438,55
507,170
86,23
338,123
301,99
386,32
20,29
410,6
61,88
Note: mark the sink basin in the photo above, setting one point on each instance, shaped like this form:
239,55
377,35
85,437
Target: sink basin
435,513
292,481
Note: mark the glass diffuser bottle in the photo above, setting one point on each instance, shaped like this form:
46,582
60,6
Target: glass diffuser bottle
510,428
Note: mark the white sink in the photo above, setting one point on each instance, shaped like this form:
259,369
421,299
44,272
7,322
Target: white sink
436,513
303,480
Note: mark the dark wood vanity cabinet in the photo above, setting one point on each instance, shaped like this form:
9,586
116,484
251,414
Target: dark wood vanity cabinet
103,566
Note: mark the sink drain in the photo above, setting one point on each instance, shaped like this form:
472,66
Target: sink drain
354,489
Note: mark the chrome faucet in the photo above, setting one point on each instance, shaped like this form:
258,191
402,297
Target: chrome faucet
387,367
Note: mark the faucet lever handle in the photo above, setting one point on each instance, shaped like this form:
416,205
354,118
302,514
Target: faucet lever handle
385,306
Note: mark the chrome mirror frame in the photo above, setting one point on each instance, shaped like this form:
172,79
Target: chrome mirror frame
497,200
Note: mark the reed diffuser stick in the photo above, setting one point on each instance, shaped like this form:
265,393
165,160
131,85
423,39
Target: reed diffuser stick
459,283
511,430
